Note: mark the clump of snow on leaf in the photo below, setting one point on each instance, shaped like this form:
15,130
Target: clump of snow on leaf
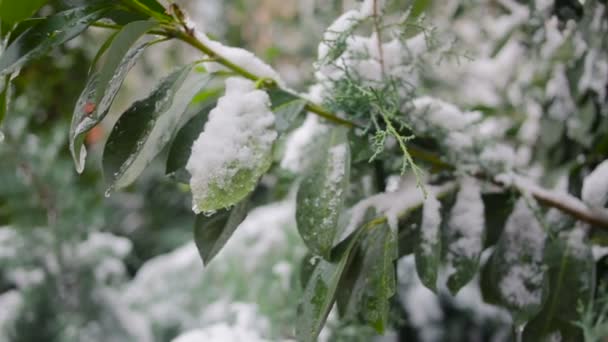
431,221
241,57
235,148
595,186
467,221
521,283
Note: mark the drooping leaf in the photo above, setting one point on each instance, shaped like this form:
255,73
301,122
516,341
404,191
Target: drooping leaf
321,195
409,225
103,85
46,34
514,276
320,294
4,96
571,282
428,246
148,125
497,207
212,233
12,11
375,281
464,235
181,148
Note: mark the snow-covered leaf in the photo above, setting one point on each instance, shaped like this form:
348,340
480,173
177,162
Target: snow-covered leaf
46,34
320,293
235,148
181,147
103,84
465,235
373,283
595,186
212,233
148,125
571,282
428,246
514,276
321,195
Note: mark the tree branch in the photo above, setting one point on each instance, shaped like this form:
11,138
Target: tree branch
561,201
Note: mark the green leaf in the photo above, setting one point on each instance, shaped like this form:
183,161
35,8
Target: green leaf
320,294
46,34
409,226
321,195
464,235
571,282
497,207
181,148
375,282
428,245
154,5
212,233
514,276
4,96
419,7
148,126
287,107
12,11
103,85
286,115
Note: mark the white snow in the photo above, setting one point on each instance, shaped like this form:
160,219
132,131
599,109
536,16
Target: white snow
11,303
220,332
340,26
558,91
467,221
595,186
392,204
437,113
431,221
240,57
421,304
239,135
498,156
595,74
296,157
521,285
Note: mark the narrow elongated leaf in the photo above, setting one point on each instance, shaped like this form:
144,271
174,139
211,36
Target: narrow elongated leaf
148,125
212,233
12,11
103,85
571,278
4,96
46,34
154,5
320,199
320,294
514,276
497,207
375,282
428,246
465,235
